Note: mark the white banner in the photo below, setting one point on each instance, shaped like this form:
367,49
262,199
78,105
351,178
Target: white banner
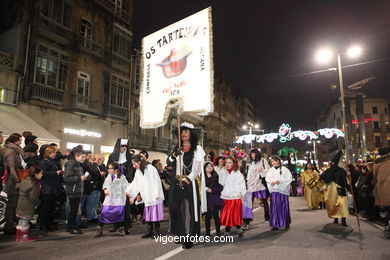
177,70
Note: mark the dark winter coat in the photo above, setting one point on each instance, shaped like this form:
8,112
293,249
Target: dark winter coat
95,180
51,181
28,197
11,155
72,179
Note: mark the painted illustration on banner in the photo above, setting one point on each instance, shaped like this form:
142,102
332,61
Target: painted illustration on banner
177,66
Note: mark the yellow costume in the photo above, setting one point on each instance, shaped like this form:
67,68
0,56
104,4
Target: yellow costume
337,206
312,196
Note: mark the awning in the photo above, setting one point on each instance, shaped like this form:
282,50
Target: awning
12,120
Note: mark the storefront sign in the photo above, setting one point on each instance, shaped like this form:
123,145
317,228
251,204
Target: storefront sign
177,70
82,132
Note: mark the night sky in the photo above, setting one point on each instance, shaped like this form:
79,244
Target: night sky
266,49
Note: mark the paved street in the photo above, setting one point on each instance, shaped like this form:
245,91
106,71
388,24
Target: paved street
311,237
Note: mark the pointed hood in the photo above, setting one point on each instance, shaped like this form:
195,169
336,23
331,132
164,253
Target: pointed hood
337,157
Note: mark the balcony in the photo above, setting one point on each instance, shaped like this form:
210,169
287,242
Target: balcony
53,30
46,94
118,62
79,103
109,5
140,141
6,60
115,112
89,47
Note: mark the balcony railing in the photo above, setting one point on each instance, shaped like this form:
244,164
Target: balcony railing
120,13
84,104
6,60
47,24
115,112
46,94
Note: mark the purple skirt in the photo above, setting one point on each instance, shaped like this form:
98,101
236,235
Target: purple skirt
112,214
247,213
261,194
280,211
154,213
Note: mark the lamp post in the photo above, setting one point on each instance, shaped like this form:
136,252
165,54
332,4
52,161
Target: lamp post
250,127
325,55
314,148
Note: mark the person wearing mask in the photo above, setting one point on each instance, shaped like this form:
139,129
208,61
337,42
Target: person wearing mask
187,161
279,181
73,179
12,161
51,188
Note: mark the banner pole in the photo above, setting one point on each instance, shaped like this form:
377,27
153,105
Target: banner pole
179,147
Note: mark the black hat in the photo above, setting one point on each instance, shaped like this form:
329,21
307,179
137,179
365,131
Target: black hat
29,139
337,157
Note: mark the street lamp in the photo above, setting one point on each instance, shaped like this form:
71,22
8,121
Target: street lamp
250,126
324,55
314,148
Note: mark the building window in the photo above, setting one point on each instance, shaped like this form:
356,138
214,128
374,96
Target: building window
51,67
377,141
385,110
118,91
58,10
83,83
86,33
376,125
121,42
375,110
118,7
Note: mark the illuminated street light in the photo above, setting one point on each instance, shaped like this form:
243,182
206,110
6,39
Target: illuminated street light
354,51
257,126
324,55
244,127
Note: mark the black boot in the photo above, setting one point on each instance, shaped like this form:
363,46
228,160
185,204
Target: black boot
344,222
127,231
157,229
336,221
187,245
149,232
114,229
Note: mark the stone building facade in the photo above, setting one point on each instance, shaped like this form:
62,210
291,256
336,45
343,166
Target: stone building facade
71,68
367,122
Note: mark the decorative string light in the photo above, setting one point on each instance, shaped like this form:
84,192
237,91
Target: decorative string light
284,135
